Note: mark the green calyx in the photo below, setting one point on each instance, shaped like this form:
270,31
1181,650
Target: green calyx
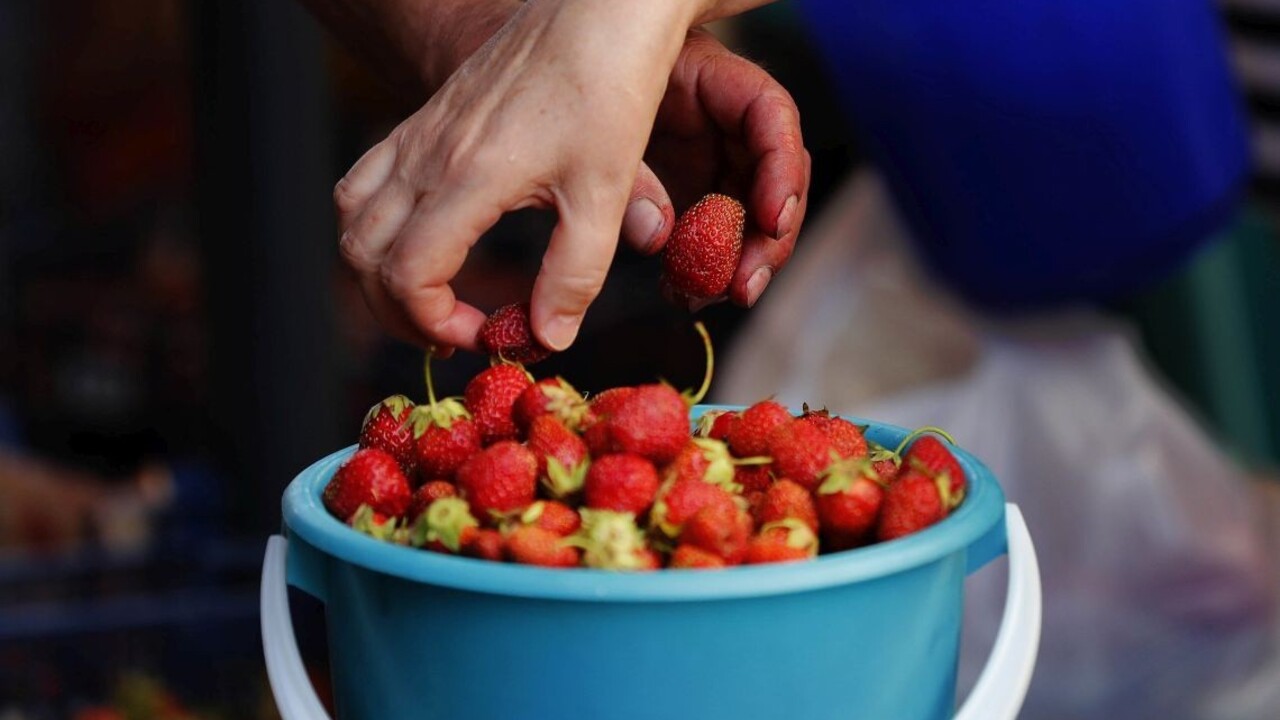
562,482
609,540
444,522
799,535
365,520
566,404
880,453
695,398
719,464
707,422
661,510
395,403
438,414
841,474
906,441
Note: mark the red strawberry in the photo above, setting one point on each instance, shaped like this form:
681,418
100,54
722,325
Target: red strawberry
783,541
800,453
928,454
846,438
749,436
491,396
443,434
562,456
369,477
552,516
678,500
385,428
716,424
722,529
706,460
913,502
611,541
621,482
428,493
607,403
753,478
595,426
692,557
704,249
550,396
532,545
374,524
849,501
786,499
484,543
884,461
502,477
508,334
445,526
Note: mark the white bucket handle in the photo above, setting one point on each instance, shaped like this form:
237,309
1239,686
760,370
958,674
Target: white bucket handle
997,695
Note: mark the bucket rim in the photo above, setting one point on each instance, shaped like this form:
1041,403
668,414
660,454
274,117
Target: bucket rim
306,518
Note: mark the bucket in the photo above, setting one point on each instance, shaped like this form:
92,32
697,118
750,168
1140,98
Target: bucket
872,632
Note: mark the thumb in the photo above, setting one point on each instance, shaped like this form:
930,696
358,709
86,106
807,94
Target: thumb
573,271
649,218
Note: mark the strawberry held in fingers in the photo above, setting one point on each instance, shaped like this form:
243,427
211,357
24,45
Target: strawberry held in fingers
507,334
621,482
849,501
491,398
386,428
501,478
369,477
703,252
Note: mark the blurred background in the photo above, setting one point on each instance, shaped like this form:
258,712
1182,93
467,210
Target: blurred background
178,339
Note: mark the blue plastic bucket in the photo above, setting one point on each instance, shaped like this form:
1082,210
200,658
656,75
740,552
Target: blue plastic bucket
1044,151
869,633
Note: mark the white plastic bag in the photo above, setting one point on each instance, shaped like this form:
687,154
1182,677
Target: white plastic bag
1160,576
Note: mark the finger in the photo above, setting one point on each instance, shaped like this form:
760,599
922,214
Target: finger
763,257
649,217
364,179
427,253
573,269
368,238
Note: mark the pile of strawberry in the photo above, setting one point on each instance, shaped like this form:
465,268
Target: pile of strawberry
530,471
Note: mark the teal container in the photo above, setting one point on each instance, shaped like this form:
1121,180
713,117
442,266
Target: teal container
870,633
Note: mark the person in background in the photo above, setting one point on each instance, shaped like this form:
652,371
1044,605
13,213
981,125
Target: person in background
613,114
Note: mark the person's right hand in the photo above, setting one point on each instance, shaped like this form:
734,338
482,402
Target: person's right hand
554,111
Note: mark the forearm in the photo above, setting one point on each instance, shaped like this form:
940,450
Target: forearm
414,44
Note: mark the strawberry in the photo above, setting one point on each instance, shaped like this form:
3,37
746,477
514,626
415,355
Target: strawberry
561,454
753,478
552,516
427,493
884,461
385,428
444,435
704,249
653,421
550,396
502,477
595,425
716,424
445,526
721,529
928,454
800,453
692,557
782,541
749,436
706,460
849,501
786,499
491,396
678,500
913,502
532,545
621,482
508,334
484,544
369,477
611,541
374,524
846,438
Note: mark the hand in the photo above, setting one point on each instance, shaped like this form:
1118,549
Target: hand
552,112
725,125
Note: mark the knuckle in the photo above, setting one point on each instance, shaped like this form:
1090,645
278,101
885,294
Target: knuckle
579,286
344,199
353,252
396,280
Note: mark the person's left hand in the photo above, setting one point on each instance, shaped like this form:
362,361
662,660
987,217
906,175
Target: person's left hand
724,125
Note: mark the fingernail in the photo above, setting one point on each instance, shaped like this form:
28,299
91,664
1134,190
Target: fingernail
786,217
756,285
642,221
561,330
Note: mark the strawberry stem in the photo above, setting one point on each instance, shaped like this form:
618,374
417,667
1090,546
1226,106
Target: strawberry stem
711,363
921,431
426,370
